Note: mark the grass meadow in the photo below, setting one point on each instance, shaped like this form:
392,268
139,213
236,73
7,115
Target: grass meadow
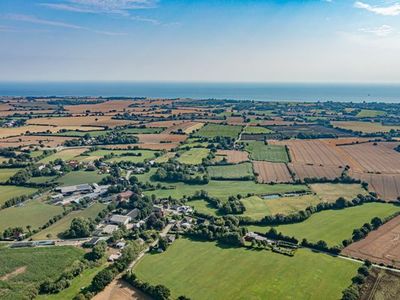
34,213
194,156
260,151
225,188
231,171
80,177
195,269
257,208
5,174
333,226
10,191
256,130
213,130
62,225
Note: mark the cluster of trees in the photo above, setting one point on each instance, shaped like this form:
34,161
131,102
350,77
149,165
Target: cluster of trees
225,230
104,277
109,138
302,215
64,281
232,206
157,292
353,291
175,172
22,177
273,234
321,246
80,228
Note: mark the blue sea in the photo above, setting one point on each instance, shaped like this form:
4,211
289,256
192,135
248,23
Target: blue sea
238,91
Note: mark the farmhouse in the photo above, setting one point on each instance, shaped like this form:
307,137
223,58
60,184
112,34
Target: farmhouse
109,229
119,220
80,188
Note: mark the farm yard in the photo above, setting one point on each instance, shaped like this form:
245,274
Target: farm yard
380,246
205,263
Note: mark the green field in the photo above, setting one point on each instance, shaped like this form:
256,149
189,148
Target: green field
225,188
34,213
80,177
66,154
81,281
369,113
257,208
256,130
231,171
60,226
214,130
32,266
203,207
334,226
330,192
5,174
194,156
202,270
260,151
10,191
145,154
42,179
76,133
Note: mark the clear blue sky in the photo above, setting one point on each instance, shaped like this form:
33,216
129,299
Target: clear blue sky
263,41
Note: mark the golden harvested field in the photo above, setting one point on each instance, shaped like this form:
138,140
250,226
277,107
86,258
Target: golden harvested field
24,112
235,121
268,172
15,131
187,127
149,146
380,246
365,127
387,186
370,158
161,138
330,192
81,121
234,156
27,140
165,124
315,152
107,106
303,171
